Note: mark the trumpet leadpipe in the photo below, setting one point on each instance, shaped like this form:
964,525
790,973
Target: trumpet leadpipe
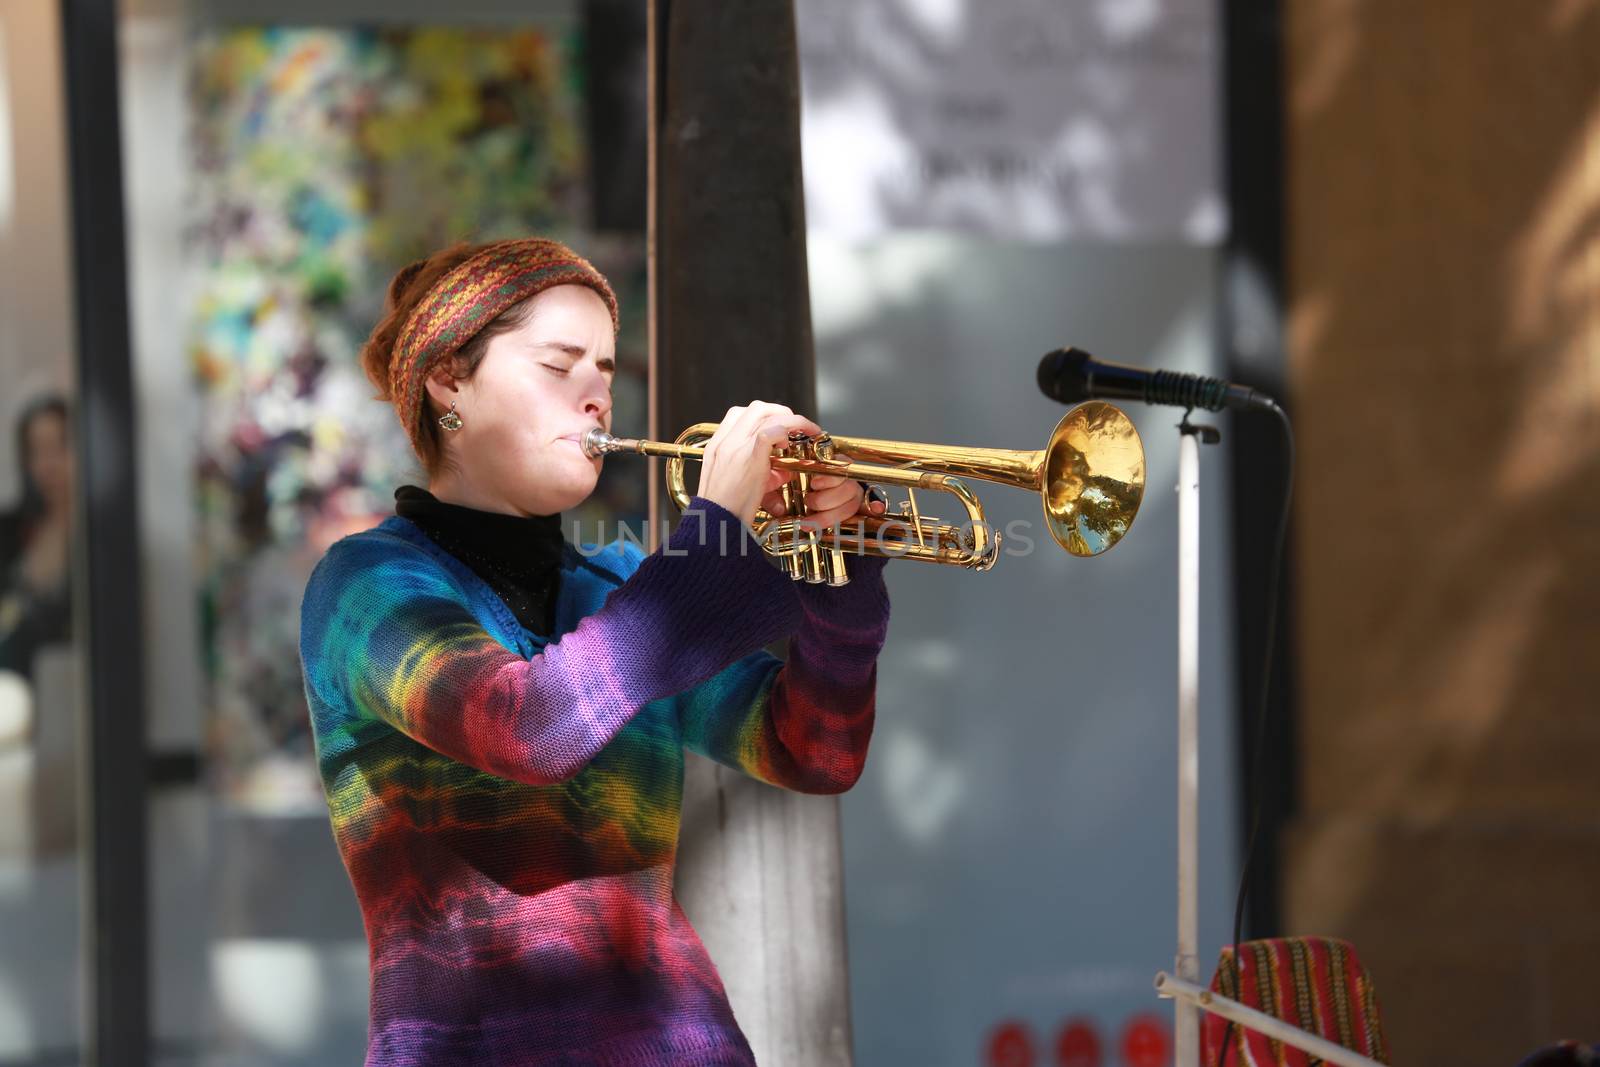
597,443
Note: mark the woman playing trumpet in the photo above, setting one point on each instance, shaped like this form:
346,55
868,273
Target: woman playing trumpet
500,719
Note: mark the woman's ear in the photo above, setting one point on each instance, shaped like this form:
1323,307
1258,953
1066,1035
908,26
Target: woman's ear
443,388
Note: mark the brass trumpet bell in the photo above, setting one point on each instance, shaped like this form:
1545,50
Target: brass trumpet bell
1093,478
1090,475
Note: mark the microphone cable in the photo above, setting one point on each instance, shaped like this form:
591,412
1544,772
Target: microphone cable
1253,782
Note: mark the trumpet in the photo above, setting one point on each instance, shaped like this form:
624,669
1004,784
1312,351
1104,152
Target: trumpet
1090,478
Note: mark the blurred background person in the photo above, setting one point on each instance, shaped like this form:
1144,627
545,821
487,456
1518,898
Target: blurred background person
35,539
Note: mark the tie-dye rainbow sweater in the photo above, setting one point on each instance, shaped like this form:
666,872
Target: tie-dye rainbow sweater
507,805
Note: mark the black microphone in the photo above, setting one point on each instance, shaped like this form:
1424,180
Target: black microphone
1071,375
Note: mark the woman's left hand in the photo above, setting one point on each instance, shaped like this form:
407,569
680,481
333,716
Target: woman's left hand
831,501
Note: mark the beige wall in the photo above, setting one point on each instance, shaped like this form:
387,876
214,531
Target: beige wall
1444,231
36,330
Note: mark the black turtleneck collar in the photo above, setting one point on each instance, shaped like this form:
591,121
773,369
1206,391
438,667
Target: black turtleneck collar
520,558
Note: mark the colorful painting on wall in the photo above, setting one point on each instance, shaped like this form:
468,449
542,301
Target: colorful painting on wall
322,161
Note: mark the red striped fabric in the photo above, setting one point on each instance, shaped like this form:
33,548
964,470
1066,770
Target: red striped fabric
1315,983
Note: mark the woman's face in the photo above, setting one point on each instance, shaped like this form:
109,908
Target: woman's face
538,389
50,458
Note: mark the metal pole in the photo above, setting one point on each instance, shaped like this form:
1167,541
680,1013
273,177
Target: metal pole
655,15
1186,1026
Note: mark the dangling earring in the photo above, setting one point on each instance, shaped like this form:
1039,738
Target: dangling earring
450,420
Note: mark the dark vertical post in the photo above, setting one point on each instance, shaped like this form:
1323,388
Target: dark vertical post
109,624
731,321
735,306
614,37
1253,348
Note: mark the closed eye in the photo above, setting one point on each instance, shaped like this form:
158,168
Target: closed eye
605,364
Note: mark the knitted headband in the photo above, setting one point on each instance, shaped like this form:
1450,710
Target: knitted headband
467,299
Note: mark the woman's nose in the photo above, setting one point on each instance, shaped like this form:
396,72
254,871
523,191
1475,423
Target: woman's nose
597,403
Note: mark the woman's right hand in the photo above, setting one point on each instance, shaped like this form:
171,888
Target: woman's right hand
737,470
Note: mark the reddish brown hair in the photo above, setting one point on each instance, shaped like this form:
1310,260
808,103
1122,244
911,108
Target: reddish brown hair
405,293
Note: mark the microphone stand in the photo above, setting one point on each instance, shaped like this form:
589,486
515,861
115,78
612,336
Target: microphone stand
1186,1021
1189,998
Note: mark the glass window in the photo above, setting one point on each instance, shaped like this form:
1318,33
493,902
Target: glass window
41,870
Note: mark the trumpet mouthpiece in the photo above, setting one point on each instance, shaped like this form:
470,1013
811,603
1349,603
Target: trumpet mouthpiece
597,443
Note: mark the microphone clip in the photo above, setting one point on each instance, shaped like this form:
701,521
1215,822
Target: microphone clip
1208,434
